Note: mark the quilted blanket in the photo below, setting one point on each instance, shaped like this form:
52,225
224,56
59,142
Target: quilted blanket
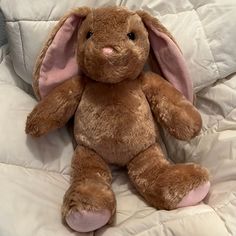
34,173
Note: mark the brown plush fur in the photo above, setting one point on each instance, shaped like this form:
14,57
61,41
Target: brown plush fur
160,183
170,107
90,184
116,107
130,64
115,120
46,117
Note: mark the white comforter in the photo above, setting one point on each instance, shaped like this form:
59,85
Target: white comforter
34,172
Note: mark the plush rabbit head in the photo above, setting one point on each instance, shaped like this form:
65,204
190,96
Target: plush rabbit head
109,45
112,47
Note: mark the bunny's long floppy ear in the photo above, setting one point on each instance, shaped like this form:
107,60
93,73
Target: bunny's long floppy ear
57,61
167,56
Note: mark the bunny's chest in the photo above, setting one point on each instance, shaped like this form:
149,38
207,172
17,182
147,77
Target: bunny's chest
115,121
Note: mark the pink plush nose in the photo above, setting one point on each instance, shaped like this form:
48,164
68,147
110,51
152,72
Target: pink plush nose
107,51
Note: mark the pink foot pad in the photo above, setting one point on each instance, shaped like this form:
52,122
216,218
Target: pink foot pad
86,221
195,196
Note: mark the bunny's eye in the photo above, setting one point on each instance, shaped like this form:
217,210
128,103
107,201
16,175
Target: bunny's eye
89,34
131,36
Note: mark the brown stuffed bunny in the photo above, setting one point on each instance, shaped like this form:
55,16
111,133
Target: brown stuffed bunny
92,67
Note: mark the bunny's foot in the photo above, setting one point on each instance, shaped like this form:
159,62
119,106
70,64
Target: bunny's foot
167,186
89,203
88,206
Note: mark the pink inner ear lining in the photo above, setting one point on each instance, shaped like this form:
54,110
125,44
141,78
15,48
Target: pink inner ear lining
59,63
170,61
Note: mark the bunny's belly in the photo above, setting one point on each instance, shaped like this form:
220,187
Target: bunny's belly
116,127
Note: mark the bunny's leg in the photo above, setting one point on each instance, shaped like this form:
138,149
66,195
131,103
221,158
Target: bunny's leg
89,203
165,185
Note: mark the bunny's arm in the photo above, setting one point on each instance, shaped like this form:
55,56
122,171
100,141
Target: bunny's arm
171,109
54,110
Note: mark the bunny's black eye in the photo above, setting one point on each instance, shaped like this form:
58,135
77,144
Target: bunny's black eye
89,34
131,36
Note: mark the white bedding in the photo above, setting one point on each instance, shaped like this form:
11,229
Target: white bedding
34,172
